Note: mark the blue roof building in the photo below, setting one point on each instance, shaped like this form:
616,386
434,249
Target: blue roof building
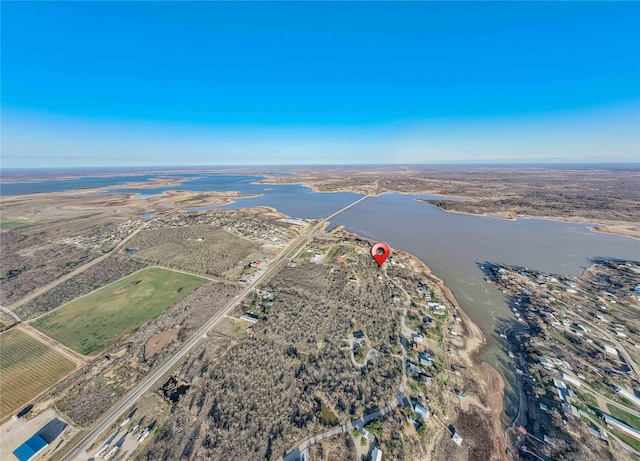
30,448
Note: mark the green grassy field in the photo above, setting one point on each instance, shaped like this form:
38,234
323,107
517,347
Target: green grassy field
97,321
27,367
624,416
627,439
8,224
588,399
306,255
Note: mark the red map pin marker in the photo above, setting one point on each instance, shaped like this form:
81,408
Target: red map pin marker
380,252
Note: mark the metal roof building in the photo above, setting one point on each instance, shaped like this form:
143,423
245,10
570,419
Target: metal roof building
30,448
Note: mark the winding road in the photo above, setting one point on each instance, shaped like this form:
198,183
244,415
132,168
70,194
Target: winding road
357,424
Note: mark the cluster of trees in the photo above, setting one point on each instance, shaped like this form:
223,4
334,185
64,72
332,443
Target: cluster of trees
396,441
335,448
28,262
258,400
104,272
566,447
87,394
263,396
313,304
244,404
352,391
583,193
595,208
182,248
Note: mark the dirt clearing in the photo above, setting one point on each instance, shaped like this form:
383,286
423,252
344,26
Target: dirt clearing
158,341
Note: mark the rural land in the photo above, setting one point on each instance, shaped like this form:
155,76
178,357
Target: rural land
134,329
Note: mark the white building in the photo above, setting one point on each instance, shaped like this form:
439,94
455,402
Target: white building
570,379
376,454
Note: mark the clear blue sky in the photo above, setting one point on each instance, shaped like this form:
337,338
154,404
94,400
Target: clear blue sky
120,83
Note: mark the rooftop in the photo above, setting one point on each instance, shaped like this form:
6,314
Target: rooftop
30,448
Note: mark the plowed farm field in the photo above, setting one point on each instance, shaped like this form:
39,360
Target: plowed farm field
27,367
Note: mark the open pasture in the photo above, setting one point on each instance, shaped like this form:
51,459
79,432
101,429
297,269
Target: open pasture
203,249
95,322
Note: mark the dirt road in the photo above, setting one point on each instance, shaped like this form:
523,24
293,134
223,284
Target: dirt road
84,267
76,358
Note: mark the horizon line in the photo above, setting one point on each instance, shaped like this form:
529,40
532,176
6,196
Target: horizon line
311,165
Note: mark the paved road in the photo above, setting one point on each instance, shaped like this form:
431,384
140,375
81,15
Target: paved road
133,395
522,403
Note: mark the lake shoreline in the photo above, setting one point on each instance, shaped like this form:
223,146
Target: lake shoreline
593,227
493,382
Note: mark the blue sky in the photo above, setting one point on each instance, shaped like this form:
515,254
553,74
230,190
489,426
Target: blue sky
123,83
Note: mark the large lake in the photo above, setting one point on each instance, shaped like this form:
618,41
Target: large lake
294,200
195,181
452,245
63,185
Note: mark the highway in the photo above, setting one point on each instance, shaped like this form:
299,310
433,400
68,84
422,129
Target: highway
134,394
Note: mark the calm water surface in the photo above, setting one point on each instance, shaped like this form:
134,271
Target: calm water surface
63,185
454,245
204,181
